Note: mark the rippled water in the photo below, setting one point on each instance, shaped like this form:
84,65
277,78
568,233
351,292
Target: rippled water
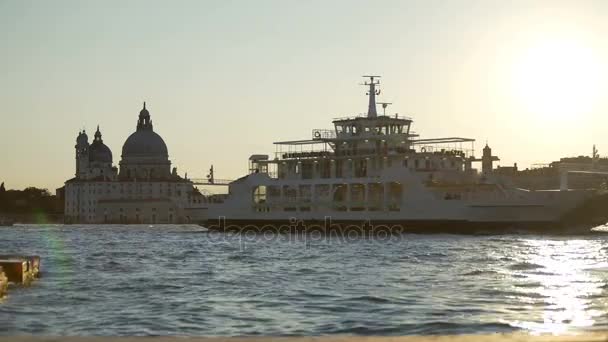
178,280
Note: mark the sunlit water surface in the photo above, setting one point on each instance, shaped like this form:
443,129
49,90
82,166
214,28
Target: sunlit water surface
178,280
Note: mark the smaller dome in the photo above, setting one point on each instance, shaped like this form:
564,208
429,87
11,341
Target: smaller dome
99,152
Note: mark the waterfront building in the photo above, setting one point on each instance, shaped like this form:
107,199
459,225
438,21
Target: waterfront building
143,189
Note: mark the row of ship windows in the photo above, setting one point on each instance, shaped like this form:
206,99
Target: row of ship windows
267,209
129,191
129,186
124,218
360,167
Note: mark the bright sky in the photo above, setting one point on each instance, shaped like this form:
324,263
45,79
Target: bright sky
224,79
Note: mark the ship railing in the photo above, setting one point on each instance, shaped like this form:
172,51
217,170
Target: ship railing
304,154
368,152
364,115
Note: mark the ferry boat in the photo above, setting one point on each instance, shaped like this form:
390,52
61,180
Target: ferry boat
371,170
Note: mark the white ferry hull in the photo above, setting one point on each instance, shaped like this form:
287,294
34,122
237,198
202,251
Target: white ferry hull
418,212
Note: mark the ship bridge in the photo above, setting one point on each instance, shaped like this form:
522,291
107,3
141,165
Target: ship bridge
363,145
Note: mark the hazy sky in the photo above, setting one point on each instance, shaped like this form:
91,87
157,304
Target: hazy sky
224,79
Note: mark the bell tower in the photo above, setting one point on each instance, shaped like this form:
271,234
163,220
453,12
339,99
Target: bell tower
487,160
82,154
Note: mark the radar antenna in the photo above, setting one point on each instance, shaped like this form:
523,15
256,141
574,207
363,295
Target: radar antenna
210,176
372,92
384,105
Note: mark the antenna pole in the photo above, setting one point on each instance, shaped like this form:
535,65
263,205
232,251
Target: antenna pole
372,92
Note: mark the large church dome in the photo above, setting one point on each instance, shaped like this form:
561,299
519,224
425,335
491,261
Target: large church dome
145,142
144,154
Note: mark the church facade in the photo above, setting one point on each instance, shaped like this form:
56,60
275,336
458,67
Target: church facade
142,189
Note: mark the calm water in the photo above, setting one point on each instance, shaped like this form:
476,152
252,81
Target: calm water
167,280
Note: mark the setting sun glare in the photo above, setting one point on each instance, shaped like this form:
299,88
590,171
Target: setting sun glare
558,79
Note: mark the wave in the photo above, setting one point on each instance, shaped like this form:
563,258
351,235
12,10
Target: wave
525,266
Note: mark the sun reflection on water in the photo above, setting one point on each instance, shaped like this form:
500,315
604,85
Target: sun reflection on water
568,284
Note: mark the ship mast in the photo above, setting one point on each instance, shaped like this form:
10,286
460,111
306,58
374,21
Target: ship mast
372,92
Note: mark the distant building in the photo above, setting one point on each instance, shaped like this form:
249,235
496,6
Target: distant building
487,160
583,173
142,190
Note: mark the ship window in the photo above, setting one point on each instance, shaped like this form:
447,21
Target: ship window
357,197
340,192
395,191
259,194
274,192
361,168
307,170
305,193
375,196
339,166
325,169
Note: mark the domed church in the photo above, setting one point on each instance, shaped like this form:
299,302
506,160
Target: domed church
144,154
143,190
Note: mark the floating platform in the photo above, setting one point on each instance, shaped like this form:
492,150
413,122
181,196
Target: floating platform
17,270
32,260
3,283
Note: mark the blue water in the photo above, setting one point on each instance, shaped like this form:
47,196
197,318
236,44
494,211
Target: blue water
179,280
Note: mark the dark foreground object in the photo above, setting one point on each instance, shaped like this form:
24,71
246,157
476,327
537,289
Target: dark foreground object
3,283
32,260
17,269
591,337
